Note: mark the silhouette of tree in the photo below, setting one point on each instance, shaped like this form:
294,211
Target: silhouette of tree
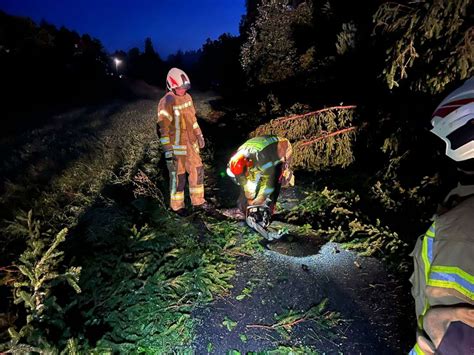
149,50
219,65
176,60
133,63
152,67
43,65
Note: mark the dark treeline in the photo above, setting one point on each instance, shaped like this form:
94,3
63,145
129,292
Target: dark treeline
43,67
146,65
214,66
313,52
323,52
42,62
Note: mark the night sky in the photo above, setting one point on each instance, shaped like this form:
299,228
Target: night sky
122,24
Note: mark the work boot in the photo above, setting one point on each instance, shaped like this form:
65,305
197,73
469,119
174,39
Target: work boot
205,207
234,213
182,212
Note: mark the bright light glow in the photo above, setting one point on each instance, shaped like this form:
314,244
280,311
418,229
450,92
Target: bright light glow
117,61
251,186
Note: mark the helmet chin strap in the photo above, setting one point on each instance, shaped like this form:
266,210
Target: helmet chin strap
466,172
465,168
465,186
461,190
465,177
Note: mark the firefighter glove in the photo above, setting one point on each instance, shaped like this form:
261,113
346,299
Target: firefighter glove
158,130
171,163
201,141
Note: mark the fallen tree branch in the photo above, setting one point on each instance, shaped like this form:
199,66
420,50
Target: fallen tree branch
277,325
285,119
260,326
327,135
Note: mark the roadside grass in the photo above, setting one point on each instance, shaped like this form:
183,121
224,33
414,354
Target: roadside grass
59,172
78,158
81,159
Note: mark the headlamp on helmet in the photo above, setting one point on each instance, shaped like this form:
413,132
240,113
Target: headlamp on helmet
239,164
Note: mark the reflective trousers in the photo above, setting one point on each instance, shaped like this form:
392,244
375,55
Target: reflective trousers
191,164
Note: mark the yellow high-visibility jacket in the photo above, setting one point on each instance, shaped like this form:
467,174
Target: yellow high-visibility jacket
444,275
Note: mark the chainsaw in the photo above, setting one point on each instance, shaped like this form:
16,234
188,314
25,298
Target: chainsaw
259,218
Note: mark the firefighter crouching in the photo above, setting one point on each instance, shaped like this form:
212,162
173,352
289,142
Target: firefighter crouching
261,167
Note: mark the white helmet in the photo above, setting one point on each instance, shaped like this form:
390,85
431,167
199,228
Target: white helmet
177,78
453,122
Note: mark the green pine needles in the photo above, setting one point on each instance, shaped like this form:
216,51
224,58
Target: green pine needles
337,216
430,41
320,139
39,266
143,298
321,320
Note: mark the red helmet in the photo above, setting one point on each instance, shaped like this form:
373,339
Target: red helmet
239,163
177,78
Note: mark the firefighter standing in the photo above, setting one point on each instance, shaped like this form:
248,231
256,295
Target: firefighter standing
260,167
181,139
443,280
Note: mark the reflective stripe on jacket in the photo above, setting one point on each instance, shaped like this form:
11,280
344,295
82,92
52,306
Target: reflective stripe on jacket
178,125
444,263
266,153
257,144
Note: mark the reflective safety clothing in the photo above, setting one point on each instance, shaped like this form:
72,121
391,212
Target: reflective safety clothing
179,133
270,169
443,279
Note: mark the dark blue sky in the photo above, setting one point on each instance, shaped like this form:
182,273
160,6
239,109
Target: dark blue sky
123,24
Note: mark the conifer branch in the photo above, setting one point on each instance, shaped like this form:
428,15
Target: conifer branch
321,139
327,135
290,118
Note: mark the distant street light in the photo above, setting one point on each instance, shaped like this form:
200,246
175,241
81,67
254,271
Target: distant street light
117,62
